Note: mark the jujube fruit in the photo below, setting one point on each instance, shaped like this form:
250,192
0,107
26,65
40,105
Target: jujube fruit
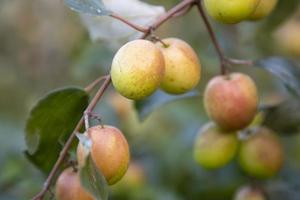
109,151
137,69
249,193
261,156
231,100
264,8
214,147
182,67
230,11
68,187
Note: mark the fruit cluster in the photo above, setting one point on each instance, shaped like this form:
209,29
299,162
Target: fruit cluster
231,102
234,11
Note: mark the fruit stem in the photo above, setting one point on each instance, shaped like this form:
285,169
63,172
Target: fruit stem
213,38
132,25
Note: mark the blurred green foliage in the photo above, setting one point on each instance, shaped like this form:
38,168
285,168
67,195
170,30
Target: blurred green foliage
44,46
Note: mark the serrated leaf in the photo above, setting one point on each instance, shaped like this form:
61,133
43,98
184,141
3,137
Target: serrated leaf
284,118
286,70
159,98
93,181
50,123
91,7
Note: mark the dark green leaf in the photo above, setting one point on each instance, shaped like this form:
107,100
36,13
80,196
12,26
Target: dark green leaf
159,98
284,118
92,7
286,70
51,122
93,181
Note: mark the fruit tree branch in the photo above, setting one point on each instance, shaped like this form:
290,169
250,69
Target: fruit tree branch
168,15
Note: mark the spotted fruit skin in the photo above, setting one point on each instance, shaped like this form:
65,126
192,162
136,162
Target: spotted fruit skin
249,193
230,11
182,66
214,147
262,155
231,101
137,69
264,8
109,151
68,187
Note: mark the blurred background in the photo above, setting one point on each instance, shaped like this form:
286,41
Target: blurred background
44,46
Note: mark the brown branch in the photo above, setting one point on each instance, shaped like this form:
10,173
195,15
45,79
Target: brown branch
213,38
135,26
67,146
92,85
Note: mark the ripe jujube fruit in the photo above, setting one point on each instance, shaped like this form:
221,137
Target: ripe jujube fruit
68,187
231,100
230,11
109,151
264,8
249,193
261,155
182,67
214,147
137,69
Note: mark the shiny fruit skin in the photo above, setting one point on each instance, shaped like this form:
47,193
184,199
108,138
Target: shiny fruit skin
230,11
182,66
109,151
249,193
264,8
214,147
261,156
68,187
137,69
231,101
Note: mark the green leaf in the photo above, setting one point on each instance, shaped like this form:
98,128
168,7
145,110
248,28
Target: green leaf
286,70
159,98
93,181
91,7
283,118
50,123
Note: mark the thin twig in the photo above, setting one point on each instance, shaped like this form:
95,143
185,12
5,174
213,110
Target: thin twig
135,26
213,38
91,86
67,146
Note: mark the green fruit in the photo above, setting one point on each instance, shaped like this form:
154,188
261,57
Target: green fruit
214,147
68,187
231,101
261,156
230,11
109,151
264,8
137,69
182,67
249,193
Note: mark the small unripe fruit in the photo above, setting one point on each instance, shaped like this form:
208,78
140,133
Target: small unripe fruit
231,101
264,8
230,11
249,193
137,69
109,151
68,187
182,67
262,154
214,147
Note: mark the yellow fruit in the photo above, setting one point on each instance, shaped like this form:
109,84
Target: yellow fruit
249,193
137,69
264,8
231,101
230,11
214,147
262,154
182,67
109,151
68,187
